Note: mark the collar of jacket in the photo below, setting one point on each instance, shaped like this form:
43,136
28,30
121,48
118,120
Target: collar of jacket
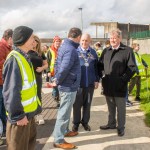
87,51
22,52
76,45
121,47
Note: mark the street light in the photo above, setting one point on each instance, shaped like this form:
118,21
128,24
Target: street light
81,19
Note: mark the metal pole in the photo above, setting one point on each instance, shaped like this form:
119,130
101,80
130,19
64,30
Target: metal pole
81,19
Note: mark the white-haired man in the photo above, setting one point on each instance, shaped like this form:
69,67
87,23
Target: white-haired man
117,63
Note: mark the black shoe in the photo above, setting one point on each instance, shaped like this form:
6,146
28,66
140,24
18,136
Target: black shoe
56,99
86,127
75,128
58,105
120,132
138,99
106,127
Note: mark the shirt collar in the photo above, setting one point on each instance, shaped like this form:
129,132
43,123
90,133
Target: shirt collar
84,50
116,48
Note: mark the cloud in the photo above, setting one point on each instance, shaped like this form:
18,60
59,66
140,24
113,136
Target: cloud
56,17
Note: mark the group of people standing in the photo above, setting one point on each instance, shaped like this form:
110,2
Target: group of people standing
74,71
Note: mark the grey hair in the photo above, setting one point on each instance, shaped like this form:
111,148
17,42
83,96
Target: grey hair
116,32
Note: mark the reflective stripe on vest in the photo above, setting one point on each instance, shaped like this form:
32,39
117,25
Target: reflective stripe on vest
52,64
139,64
29,98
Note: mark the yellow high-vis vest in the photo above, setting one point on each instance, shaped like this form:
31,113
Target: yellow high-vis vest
99,52
139,64
29,98
52,64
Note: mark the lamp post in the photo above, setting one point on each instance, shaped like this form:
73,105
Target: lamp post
81,19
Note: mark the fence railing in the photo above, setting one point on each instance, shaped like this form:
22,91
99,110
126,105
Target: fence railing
140,35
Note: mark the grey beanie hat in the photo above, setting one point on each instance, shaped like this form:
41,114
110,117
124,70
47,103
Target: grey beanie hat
21,34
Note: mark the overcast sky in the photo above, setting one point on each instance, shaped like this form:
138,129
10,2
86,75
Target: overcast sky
56,17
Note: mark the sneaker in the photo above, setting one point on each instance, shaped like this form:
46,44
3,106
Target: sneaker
40,120
128,104
1,142
129,101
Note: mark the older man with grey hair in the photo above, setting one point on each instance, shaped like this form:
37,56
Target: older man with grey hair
89,82
117,63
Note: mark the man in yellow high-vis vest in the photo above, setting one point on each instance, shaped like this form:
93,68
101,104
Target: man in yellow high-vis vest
51,59
141,66
20,92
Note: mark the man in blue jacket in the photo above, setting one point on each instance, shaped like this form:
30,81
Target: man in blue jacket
89,81
67,77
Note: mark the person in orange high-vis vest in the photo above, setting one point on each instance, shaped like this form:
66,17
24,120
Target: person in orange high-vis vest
51,59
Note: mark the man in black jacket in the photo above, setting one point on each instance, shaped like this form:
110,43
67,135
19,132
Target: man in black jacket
117,63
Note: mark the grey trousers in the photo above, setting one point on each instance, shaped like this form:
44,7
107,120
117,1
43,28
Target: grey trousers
135,81
116,104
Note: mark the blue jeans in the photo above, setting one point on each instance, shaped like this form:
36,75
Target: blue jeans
2,110
63,116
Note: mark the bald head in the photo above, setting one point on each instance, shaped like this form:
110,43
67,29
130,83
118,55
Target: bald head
85,41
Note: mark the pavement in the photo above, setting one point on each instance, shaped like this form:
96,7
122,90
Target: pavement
137,134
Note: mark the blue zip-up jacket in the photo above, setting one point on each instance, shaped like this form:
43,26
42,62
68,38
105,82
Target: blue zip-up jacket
67,67
89,74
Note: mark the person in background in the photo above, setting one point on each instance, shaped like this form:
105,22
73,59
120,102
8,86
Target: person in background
20,92
117,63
45,49
89,82
1,132
5,48
98,48
51,58
141,66
40,64
67,78
107,44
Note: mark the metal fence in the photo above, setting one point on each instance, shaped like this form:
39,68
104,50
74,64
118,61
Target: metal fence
140,35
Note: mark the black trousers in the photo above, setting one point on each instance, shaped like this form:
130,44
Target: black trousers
82,105
135,81
39,85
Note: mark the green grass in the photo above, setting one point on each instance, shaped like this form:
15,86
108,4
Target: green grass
145,92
